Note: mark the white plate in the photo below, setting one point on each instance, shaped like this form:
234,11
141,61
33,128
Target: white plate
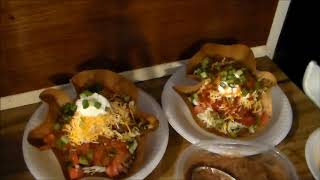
180,117
44,165
312,153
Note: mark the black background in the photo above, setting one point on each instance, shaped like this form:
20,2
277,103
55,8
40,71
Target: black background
299,40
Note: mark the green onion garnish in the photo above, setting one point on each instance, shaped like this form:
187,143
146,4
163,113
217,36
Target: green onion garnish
57,126
85,104
83,160
133,146
203,75
64,139
222,84
205,63
244,92
90,154
86,93
97,104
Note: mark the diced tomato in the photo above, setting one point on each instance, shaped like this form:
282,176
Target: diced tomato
264,119
75,173
248,120
74,157
250,83
121,156
50,139
106,160
83,148
112,171
98,155
216,105
198,109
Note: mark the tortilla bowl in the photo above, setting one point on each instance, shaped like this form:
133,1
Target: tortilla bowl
110,83
240,54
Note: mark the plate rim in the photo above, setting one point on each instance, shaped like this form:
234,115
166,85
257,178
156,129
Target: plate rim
146,170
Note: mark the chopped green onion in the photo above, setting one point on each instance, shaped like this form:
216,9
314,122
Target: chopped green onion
65,119
133,146
198,71
239,72
257,85
242,78
237,81
73,107
85,104
224,78
126,98
86,93
230,81
223,84
97,104
57,126
203,75
231,85
195,99
195,96
218,67
252,129
233,129
69,109
205,63
60,144
83,160
223,73
64,139
244,92
90,154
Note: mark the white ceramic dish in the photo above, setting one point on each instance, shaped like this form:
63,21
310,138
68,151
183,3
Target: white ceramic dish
264,154
180,117
312,153
44,165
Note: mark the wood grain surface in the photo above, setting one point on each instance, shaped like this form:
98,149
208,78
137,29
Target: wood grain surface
44,43
306,118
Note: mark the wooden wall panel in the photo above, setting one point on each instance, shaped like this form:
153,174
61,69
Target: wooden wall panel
44,42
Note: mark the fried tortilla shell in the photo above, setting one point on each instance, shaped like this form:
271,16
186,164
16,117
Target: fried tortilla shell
55,99
112,83
238,52
267,78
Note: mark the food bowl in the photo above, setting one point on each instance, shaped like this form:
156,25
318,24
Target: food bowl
240,160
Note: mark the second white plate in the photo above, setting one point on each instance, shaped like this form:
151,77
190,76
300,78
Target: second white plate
180,117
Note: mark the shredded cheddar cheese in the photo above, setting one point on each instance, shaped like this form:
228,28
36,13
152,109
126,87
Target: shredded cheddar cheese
85,129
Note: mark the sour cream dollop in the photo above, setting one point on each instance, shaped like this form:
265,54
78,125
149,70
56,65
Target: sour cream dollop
229,92
92,110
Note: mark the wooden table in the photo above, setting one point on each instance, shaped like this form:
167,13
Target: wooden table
306,118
